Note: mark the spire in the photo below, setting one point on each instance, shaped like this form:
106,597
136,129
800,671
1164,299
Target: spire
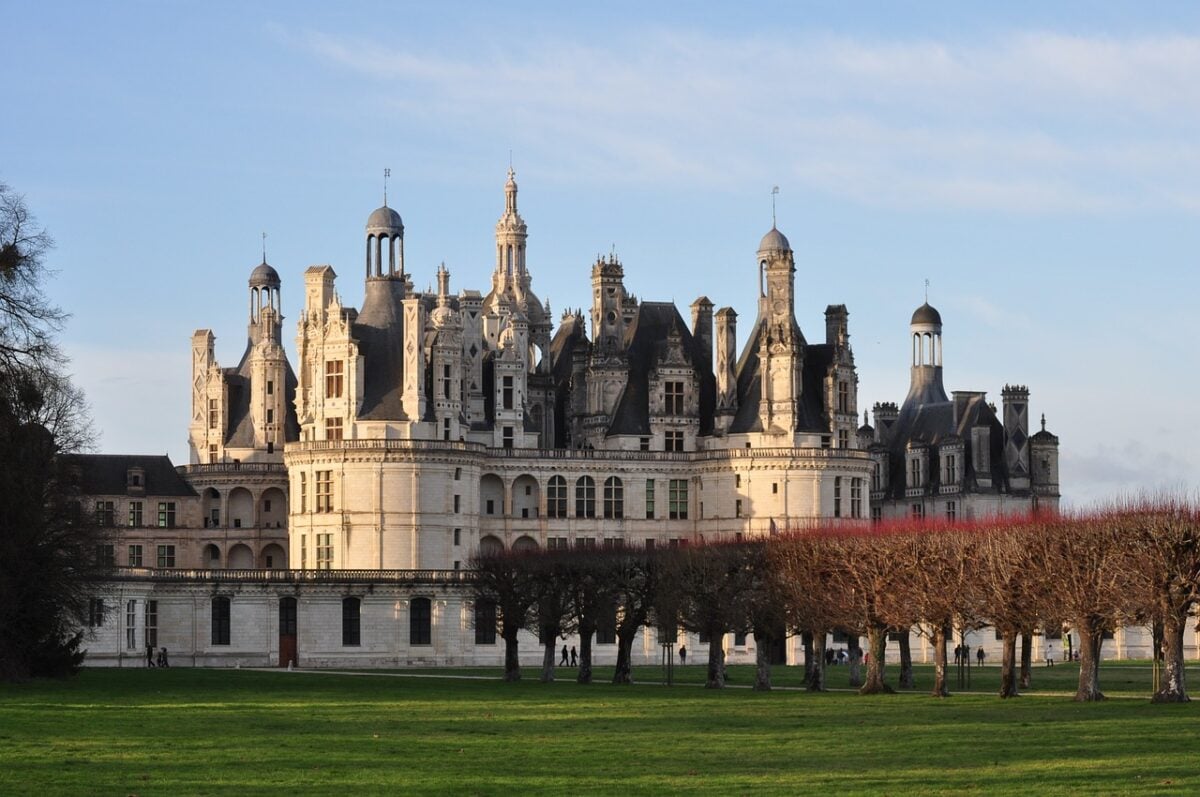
774,193
264,260
443,281
510,192
386,174
1043,421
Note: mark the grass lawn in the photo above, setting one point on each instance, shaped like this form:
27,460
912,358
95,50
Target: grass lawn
183,731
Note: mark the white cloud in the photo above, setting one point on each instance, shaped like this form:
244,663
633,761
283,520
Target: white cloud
1030,123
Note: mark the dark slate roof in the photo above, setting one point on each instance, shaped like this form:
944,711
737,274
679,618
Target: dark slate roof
926,314
379,330
817,360
570,337
107,474
934,424
646,345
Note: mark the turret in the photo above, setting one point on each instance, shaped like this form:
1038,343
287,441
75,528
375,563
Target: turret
925,330
781,345
608,299
1016,435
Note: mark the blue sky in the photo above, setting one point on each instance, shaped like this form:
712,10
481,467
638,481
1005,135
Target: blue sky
1038,165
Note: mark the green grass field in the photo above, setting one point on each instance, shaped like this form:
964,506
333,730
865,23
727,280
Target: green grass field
182,731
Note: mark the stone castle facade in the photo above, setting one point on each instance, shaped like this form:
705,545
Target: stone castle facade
423,427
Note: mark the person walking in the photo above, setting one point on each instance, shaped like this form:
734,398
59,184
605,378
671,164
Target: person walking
979,655
563,663
957,654
149,655
162,658
682,655
1049,655
574,657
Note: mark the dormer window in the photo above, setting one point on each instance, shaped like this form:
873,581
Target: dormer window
673,398
135,480
916,474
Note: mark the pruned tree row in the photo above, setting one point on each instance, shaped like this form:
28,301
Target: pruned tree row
1137,563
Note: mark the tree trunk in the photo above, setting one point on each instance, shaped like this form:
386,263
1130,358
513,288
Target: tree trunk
854,661
715,678
939,661
906,671
585,653
877,642
1008,664
762,664
1026,658
806,638
623,674
548,653
815,678
1091,637
1171,686
512,661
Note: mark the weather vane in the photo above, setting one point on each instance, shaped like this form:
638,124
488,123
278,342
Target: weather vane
774,193
264,235
926,290
386,174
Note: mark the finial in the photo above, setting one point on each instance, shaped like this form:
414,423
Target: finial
1043,421
386,174
926,290
774,193
264,235
866,418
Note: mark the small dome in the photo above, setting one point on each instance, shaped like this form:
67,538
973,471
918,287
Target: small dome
774,241
385,219
926,314
264,275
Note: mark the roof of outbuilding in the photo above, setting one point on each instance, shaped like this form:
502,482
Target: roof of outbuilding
108,474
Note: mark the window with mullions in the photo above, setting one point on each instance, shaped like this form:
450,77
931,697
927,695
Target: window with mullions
135,514
556,497
585,497
105,514
485,623
614,498
677,499
334,378
151,631
673,398
166,514
856,492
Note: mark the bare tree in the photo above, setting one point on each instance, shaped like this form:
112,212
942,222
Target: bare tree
550,611
505,580
635,581
804,569
712,582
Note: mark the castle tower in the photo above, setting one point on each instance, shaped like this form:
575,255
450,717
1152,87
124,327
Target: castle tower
726,371
608,300
446,362
781,345
925,329
385,244
266,364
511,238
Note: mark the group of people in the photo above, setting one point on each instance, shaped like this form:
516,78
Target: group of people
962,654
156,661
835,657
574,658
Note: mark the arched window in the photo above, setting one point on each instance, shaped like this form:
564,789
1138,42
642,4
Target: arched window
556,497
614,498
351,621
419,622
220,621
585,497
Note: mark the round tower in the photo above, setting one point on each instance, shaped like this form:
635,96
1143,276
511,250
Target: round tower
385,244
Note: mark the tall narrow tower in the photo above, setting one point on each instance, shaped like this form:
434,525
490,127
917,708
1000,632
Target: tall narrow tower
781,344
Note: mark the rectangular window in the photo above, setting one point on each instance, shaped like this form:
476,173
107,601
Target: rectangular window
458,536
135,556
96,612
214,414
644,444
446,380
949,469
673,441
351,622
507,393
677,499
485,623
151,624
131,625
106,555
507,437
135,514
166,514
490,507
737,480
951,510
270,388
324,551
837,496
166,556
556,543
104,514
915,477
303,491
445,428
649,499
420,622
737,508
774,488
856,490
333,428
212,454
843,438
220,621
585,542
303,551
673,398
324,494
458,503
270,416
739,639
843,399
876,514
333,378
918,511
